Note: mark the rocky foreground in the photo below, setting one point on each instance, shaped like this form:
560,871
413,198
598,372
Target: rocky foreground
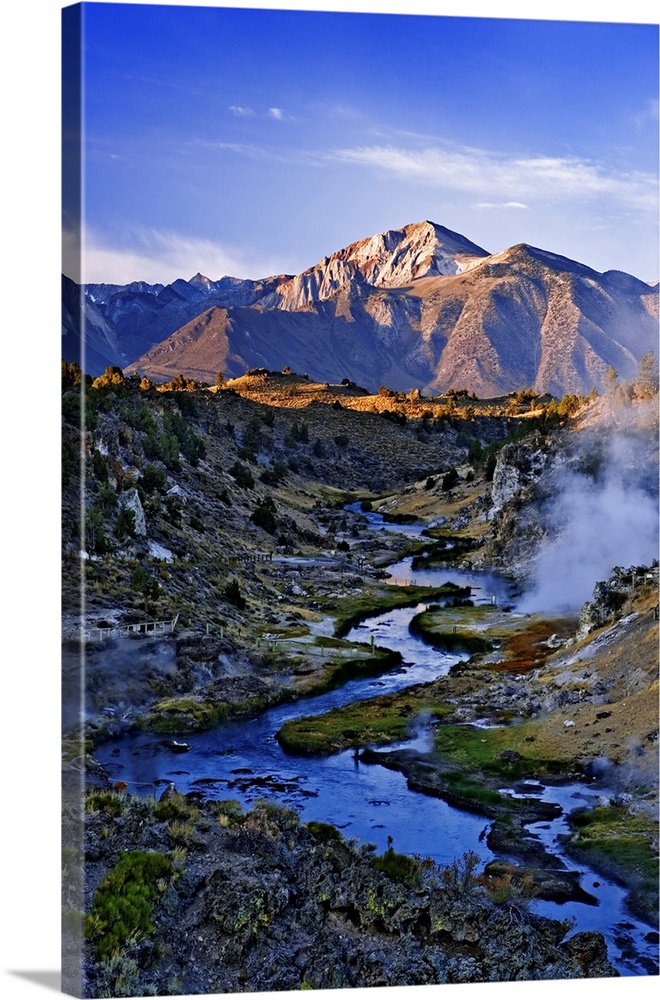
231,901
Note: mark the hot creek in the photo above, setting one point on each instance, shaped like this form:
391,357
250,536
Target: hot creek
244,761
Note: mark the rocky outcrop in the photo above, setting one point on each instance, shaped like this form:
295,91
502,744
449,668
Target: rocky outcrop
264,903
610,595
518,493
517,467
130,501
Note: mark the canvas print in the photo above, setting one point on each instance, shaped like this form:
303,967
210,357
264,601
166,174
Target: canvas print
360,500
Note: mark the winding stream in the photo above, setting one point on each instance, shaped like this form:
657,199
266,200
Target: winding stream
243,761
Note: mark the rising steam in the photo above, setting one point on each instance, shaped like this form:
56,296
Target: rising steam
596,522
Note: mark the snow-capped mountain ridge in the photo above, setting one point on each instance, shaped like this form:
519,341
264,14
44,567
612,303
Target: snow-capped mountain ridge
421,249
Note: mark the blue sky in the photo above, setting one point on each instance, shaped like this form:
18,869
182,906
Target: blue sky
252,142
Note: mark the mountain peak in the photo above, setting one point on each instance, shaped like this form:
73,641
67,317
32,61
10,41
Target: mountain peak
417,250
200,280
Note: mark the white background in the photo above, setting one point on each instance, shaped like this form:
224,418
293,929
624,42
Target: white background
29,490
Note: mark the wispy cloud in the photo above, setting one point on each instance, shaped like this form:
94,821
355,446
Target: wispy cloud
288,155
509,178
243,111
648,115
501,204
159,255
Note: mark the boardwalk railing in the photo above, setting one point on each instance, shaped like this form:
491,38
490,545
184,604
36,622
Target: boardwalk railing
309,648
139,628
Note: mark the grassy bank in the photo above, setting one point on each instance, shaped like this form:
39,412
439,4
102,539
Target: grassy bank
353,610
510,751
432,628
377,721
619,843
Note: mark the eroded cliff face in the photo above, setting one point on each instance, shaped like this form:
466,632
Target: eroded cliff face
520,491
518,467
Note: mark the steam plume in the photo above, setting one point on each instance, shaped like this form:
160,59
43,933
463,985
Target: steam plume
596,522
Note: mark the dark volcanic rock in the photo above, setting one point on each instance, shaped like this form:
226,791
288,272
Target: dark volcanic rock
263,903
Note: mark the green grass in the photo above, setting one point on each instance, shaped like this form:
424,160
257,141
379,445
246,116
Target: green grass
351,611
109,803
620,837
467,788
478,749
184,715
123,903
398,867
324,833
374,662
425,626
376,721
190,715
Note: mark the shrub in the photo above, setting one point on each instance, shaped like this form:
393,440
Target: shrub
252,434
491,462
69,462
123,902
153,478
125,523
71,406
113,377
233,594
299,434
399,867
275,475
162,447
106,498
144,584
325,833
460,874
97,467
96,541
242,475
450,479
264,515
71,374
474,451
109,803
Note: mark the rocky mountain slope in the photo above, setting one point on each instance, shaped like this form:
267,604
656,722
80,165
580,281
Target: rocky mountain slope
418,307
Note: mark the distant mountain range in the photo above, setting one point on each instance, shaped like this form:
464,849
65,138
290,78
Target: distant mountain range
417,307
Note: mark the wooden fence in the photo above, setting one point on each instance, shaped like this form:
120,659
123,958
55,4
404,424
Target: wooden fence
96,634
